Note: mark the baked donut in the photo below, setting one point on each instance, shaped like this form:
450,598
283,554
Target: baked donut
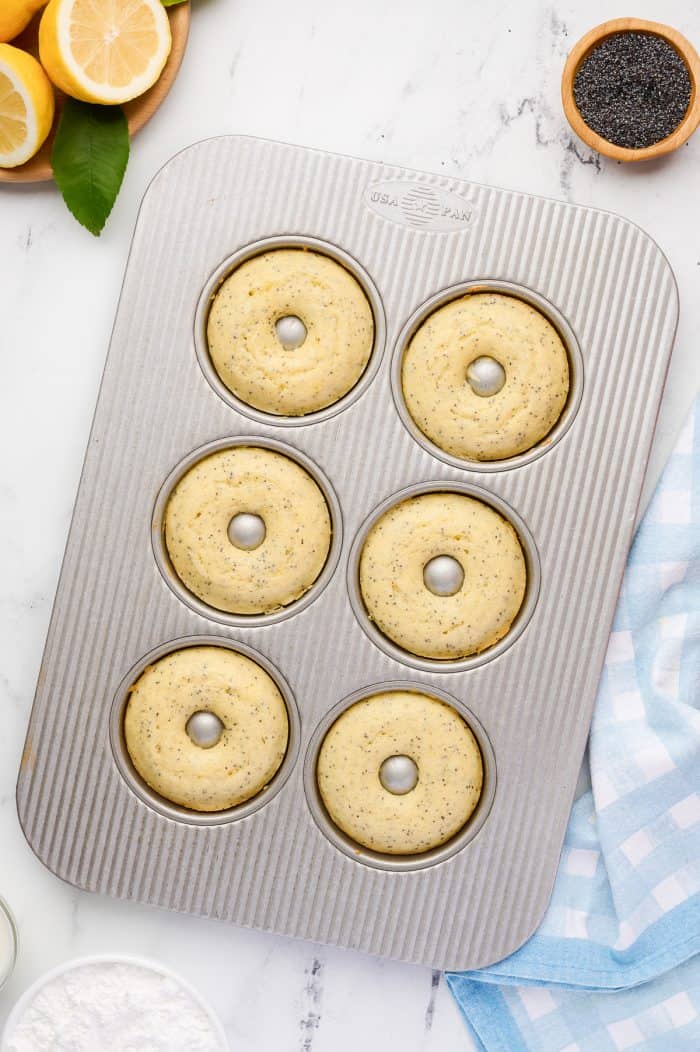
290,331
364,766
247,530
412,554
485,377
240,696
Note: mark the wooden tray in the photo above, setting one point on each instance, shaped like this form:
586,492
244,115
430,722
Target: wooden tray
138,112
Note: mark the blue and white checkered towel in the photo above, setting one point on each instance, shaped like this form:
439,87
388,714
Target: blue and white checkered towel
612,966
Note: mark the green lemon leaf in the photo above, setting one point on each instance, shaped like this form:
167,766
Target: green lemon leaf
89,158
171,3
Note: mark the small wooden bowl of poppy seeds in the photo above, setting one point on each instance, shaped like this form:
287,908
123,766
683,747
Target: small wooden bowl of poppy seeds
631,89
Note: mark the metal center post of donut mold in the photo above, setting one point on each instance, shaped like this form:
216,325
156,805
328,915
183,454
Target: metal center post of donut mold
204,729
443,575
247,531
399,774
485,376
291,332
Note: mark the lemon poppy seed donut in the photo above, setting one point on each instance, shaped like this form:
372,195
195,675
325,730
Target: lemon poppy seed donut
524,371
326,354
247,573
246,702
417,730
400,554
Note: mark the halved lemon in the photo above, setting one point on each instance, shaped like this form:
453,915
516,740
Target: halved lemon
26,106
106,51
15,15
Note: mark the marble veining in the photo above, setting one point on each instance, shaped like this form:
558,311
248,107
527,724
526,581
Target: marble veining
312,1004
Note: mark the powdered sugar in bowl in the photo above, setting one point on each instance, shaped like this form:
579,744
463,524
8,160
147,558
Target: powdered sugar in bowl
112,1004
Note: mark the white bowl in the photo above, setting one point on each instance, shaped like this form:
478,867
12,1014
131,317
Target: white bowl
6,917
106,958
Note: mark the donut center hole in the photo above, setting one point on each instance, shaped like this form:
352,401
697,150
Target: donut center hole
291,331
485,376
246,531
443,575
398,775
204,729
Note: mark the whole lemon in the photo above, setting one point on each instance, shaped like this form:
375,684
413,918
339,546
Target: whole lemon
15,15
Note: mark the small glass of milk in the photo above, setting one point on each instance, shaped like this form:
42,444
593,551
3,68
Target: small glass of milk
8,942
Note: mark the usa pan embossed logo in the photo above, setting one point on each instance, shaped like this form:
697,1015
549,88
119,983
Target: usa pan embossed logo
419,206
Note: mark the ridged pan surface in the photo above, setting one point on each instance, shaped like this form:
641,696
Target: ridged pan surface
413,236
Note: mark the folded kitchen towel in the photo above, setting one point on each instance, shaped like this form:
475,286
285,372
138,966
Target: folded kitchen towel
611,967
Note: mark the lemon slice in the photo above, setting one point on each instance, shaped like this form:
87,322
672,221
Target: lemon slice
26,106
106,51
15,15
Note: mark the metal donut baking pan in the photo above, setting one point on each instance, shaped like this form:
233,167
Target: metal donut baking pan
413,241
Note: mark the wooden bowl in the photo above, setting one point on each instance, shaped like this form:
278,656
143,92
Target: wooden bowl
596,142
138,112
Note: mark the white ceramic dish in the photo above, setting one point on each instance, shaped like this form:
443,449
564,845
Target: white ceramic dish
8,922
81,962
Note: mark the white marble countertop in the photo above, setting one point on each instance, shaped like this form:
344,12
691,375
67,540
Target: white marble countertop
457,86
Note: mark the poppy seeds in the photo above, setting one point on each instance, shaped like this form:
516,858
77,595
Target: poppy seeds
633,89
